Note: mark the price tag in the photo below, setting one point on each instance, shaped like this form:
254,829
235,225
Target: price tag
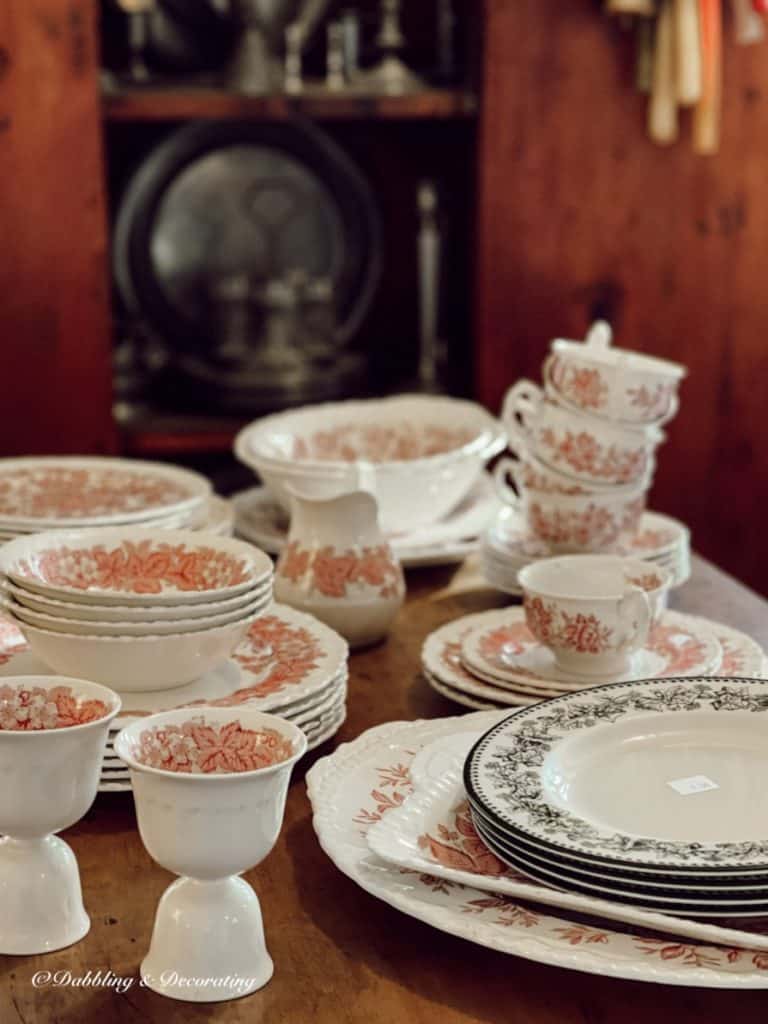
693,784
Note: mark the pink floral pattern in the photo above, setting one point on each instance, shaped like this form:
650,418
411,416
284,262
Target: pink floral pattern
648,581
68,493
592,528
683,652
582,634
652,402
12,641
457,845
582,453
649,540
287,654
390,787
351,441
330,571
582,386
37,708
196,747
137,567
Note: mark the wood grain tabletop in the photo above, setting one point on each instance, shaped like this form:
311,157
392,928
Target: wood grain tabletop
341,955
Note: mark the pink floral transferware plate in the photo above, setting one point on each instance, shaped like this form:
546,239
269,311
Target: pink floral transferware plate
363,781
442,665
287,659
433,832
70,491
502,649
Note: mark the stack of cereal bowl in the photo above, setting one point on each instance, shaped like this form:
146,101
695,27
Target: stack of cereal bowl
585,449
135,609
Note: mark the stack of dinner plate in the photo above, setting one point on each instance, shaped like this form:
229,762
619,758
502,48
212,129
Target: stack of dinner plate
134,608
73,492
649,794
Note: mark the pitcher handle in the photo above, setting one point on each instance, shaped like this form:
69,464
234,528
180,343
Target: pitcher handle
635,619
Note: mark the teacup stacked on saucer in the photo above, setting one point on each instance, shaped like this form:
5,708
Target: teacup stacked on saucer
585,447
136,609
587,619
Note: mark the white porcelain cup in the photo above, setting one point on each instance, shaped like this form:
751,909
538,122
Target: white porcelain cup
586,521
592,612
580,446
208,940
53,730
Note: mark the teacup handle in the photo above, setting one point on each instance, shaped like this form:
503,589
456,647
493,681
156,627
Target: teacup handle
503,468
635,619
521,407
365,477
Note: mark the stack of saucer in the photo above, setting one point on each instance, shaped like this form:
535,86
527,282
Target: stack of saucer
642,794
134,608
509,546
517,670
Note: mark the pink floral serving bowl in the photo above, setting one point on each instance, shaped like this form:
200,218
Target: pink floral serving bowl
133,566
377,445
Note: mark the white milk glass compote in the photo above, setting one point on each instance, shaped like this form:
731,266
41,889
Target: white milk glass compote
53,730
209,786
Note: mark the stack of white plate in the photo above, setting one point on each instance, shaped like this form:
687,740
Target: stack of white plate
492,660
288,664
508,546
649,795
70,492
136,609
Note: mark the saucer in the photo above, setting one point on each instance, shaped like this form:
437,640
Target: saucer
503,650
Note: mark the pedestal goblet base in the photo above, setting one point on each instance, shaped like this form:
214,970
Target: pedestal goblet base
40,896
208,942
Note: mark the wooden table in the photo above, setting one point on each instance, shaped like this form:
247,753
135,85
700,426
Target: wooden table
339,954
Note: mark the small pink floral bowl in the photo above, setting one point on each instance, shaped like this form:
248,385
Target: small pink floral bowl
134,566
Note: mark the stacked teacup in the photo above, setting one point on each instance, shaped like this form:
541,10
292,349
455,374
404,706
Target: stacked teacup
136,609
585,443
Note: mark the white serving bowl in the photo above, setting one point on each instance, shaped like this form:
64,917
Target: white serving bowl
57,624
144,614
137,664
132,566
587,449
612,383
380,445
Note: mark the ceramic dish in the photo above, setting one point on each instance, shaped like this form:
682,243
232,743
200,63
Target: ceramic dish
285,658
700,737
73,491
433,832
346,790
142,613
131,566
502,648
143,663
78,627
377,445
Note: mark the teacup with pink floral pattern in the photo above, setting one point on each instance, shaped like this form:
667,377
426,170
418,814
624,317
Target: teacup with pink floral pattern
592,611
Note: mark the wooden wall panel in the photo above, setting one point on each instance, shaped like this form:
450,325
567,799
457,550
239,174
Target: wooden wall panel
581,215
55,350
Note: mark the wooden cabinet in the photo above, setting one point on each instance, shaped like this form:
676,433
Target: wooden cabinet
581,216
55,352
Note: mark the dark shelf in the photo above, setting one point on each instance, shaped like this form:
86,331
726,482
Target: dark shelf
176,104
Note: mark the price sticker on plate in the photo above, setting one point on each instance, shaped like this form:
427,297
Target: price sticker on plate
693,784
